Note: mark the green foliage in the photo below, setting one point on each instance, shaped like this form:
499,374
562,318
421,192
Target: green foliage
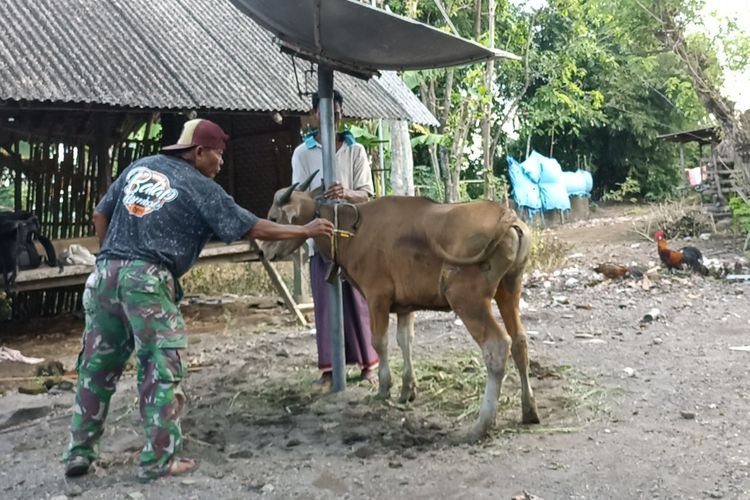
428,138
6,307
7,190
626,191
607,88
740,213
600,84
427,184
362,134
154,132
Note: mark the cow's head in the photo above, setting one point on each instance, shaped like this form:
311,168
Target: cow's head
292,205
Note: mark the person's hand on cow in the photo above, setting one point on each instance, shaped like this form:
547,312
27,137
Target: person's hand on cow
339,192
319,227
336,192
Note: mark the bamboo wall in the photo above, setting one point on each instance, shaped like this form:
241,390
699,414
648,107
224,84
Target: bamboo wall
67,159
60,163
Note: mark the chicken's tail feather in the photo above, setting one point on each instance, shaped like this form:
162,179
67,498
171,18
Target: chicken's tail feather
693,258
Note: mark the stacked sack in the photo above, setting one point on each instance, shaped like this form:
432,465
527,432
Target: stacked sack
539,183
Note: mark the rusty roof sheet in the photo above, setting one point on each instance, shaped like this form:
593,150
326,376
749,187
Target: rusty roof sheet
168,54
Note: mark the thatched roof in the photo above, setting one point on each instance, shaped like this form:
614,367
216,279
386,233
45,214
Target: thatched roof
167,55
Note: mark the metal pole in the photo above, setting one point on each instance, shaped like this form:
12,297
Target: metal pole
328,141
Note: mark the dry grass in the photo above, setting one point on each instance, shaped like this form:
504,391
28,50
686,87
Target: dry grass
548,252
241,279
677,219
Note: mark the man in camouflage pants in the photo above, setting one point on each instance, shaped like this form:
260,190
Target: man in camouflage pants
152,224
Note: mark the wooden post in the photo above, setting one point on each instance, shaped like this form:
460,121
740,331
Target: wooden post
280,286
104,170
17,179
682,160
717,177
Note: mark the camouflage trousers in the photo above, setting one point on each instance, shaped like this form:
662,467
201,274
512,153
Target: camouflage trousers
130,307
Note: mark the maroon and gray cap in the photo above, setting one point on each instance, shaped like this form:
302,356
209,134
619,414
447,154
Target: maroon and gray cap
199,132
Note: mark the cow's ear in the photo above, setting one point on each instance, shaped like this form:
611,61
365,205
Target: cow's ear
291,212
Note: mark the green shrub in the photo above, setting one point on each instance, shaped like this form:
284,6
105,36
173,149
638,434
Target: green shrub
740,213
627,191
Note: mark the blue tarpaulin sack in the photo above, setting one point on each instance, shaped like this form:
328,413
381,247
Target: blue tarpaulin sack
554,196
532,167
525,191
551,183
578,183
550,170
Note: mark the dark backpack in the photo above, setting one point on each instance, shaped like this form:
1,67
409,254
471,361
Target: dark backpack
18,232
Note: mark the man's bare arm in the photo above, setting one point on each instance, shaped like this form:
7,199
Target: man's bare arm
266,230
101,224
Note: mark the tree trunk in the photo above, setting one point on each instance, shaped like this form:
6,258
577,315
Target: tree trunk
489,174
736,129
402,162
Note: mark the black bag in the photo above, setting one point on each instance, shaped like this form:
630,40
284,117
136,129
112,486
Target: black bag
18,232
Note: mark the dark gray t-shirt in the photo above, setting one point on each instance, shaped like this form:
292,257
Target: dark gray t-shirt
162,210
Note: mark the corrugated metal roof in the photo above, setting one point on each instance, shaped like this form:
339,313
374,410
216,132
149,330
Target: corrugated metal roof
167,54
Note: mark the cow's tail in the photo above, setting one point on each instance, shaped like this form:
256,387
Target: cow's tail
484,253
468,261
521,257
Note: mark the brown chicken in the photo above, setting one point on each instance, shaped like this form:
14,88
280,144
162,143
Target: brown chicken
686,257
615,271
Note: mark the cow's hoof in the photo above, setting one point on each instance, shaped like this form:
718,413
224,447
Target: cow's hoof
472,436
530,417
408,394
383,394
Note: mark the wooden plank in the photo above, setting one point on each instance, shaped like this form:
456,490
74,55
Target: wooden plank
46,278
283,291
280,286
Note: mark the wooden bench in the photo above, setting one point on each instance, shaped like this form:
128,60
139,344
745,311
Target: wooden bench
45,277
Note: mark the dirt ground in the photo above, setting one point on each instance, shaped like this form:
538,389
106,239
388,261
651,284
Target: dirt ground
630,408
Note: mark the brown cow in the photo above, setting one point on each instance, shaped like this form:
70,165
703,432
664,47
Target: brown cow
407,254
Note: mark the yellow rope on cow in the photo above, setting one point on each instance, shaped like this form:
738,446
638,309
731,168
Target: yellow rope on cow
333,234
337,232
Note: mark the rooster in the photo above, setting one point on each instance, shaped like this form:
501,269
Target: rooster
686,257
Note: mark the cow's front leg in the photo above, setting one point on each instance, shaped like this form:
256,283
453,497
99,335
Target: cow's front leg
405,337
379,323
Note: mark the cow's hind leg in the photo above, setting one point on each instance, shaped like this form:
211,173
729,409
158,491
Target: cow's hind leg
379,324
405,337
468,299
508,299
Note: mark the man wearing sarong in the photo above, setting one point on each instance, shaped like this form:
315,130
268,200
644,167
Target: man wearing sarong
352,182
